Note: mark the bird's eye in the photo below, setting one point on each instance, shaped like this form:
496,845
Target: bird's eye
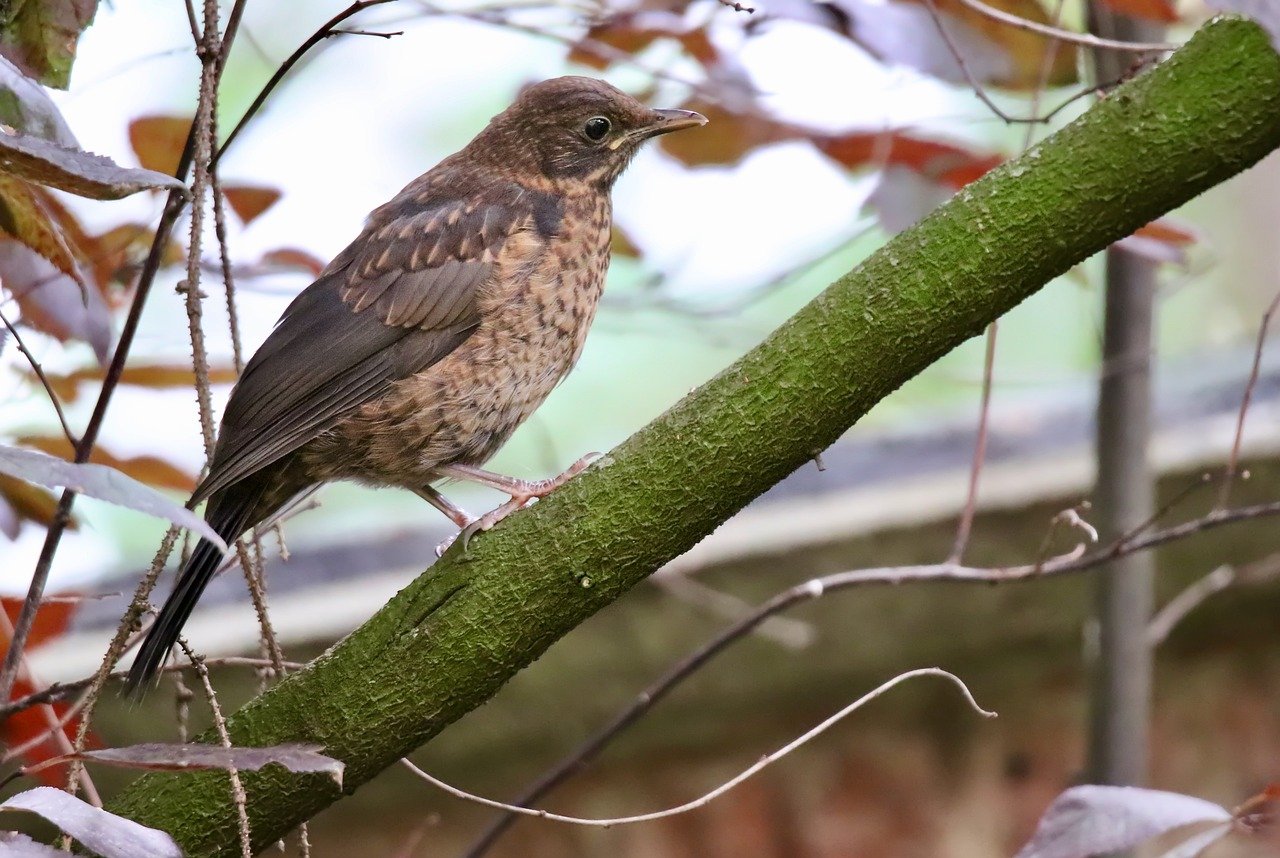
596,127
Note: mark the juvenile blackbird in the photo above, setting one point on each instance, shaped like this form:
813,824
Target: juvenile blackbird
432,336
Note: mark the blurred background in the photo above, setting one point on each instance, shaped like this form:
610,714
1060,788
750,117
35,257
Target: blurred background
834,125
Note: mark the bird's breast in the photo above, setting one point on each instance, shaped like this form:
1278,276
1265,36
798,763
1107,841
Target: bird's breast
535,313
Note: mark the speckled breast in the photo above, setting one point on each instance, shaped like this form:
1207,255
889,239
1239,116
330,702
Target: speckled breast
535,317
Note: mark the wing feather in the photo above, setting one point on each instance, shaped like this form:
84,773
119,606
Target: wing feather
397,300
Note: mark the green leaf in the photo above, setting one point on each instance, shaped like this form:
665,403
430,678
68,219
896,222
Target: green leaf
40,36
103,483
74,170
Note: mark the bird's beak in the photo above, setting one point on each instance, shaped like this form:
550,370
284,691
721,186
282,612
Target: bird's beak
667,120
662,121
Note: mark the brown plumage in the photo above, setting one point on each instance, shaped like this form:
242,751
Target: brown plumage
428,340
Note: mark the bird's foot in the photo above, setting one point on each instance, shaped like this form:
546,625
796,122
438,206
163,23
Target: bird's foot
521,491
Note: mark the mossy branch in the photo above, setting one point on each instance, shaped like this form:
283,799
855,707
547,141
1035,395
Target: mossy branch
448,641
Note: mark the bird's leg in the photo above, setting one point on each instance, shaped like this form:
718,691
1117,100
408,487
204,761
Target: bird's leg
455,513
521,491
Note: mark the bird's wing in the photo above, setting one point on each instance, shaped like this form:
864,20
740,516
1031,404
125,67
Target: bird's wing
397,300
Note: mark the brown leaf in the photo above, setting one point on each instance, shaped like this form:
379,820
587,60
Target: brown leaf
632,32
157,375
1025,49
52,302
30,503
74,170
159,756
158,141
23,218
113,253
148,469
1162,11
292,257
621,244
249,202
904,32
39,37
727,137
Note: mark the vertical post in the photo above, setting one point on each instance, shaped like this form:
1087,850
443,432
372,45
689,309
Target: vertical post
1124,495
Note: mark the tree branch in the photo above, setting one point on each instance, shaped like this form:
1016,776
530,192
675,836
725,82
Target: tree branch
448,641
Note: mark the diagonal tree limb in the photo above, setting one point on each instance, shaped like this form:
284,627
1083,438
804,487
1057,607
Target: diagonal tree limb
449,640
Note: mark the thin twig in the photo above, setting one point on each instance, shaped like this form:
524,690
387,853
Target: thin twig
1180,606
1233,463
761,764
119,642
980,91
1075,561
314,39
1187,601
345,31
238,795
228,277
44,380
965,526
1085,39
61,690
792,634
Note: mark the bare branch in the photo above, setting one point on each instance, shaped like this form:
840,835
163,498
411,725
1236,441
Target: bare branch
1233,464
238,796
1180,606
44,380
62,690
1084,39
325,31
979,448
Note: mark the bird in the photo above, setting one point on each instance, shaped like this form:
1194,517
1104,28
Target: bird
422,346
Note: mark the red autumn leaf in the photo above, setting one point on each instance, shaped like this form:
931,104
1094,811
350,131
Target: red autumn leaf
632,32
1169,232
52,619
1162,240
728,135
52,302
944,163
249,202
1162,11
292,257
158,141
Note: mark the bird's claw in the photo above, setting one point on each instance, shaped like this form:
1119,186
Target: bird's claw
529,490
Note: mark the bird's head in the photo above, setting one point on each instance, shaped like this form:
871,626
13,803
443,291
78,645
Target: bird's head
574,129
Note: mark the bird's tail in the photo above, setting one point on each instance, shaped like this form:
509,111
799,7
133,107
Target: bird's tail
230,517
